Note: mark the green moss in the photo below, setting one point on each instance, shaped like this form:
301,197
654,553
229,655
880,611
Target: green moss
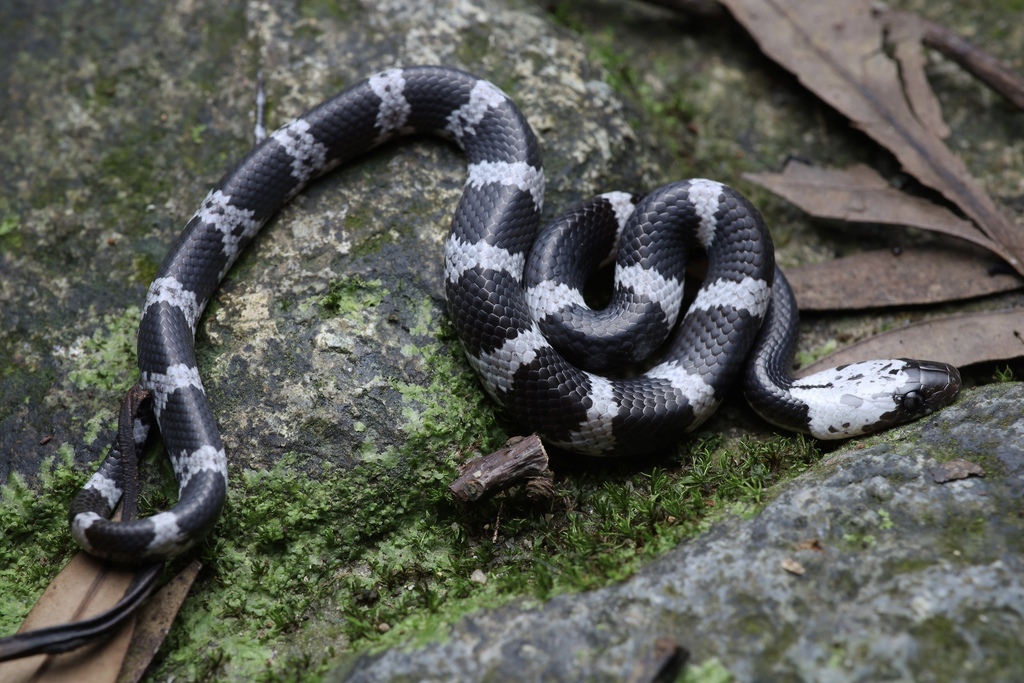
352,294
104,91
349,554
358,220
1002,374
8,224
474,44
10,237
565,14
709,671
145,267
107,359
970,540
941,647
322,9
222,30
100,424
860,541
35,543
867,537
908,565
886,522
805,358
196,133
53,193
288,543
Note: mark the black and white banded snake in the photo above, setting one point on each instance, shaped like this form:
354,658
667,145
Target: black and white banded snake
504,294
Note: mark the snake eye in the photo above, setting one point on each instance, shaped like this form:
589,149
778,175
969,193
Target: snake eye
912,401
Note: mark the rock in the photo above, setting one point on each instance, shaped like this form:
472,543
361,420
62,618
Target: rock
905,579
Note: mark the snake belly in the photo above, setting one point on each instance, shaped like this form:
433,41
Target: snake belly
498,317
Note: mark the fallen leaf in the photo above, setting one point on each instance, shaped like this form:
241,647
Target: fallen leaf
914,276
153,622
992,72
85,587
811,544
837,51
906,35
793,567
960,339
858,194
957,468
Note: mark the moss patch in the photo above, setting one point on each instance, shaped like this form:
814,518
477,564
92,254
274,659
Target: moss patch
10,224
377,555
106,360
35,543
352,294
708,671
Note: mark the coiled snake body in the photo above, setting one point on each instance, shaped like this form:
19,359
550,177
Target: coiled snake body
503,295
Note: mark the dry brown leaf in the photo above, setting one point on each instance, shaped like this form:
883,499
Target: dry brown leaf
961,340
811,544
85,587
836,50
875,279
154,620
793,567
860,195
906,33
955,469
992,72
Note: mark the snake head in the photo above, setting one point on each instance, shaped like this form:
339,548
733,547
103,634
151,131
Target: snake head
930,385
873,395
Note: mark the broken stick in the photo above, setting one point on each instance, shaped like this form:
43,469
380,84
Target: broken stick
522,460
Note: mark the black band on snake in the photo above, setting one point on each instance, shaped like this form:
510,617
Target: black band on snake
516,306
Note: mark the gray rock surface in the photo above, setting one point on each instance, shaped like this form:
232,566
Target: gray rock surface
904,579
119,139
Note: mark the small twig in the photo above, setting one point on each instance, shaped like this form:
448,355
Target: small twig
992,72
497,523
130,409
523,460
995,73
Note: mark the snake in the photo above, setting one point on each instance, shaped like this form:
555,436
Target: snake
633,376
